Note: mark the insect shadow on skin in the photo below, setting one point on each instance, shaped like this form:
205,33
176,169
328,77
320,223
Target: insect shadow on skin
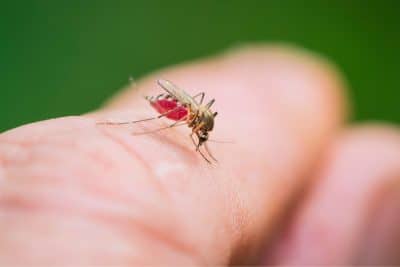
177,105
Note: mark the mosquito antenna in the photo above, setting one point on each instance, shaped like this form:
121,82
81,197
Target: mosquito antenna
221,141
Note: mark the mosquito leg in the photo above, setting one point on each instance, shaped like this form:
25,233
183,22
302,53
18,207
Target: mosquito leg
195,130
202,94
198,127
148,119
197,145
209,153
179,122
204,157
175,124
209,104
194,141
192,120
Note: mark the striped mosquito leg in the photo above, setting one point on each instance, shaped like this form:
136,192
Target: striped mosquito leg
175,124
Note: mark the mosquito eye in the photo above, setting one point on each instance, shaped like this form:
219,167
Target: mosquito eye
215,114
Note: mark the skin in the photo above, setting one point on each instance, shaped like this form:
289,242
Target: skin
298,186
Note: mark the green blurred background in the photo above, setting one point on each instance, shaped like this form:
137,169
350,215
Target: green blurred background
66,57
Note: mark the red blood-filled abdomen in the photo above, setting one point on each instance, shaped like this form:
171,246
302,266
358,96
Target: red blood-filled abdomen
165,105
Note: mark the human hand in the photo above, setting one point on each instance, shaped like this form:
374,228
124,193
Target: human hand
298,186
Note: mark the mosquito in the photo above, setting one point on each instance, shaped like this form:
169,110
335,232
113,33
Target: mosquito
177,105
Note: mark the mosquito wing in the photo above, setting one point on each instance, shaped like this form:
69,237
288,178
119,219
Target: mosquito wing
176,92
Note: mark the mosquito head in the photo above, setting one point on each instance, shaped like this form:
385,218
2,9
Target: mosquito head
203,137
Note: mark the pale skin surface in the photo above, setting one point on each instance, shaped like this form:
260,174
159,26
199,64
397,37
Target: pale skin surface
298,186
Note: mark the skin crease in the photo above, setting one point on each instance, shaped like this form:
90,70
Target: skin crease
296,187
